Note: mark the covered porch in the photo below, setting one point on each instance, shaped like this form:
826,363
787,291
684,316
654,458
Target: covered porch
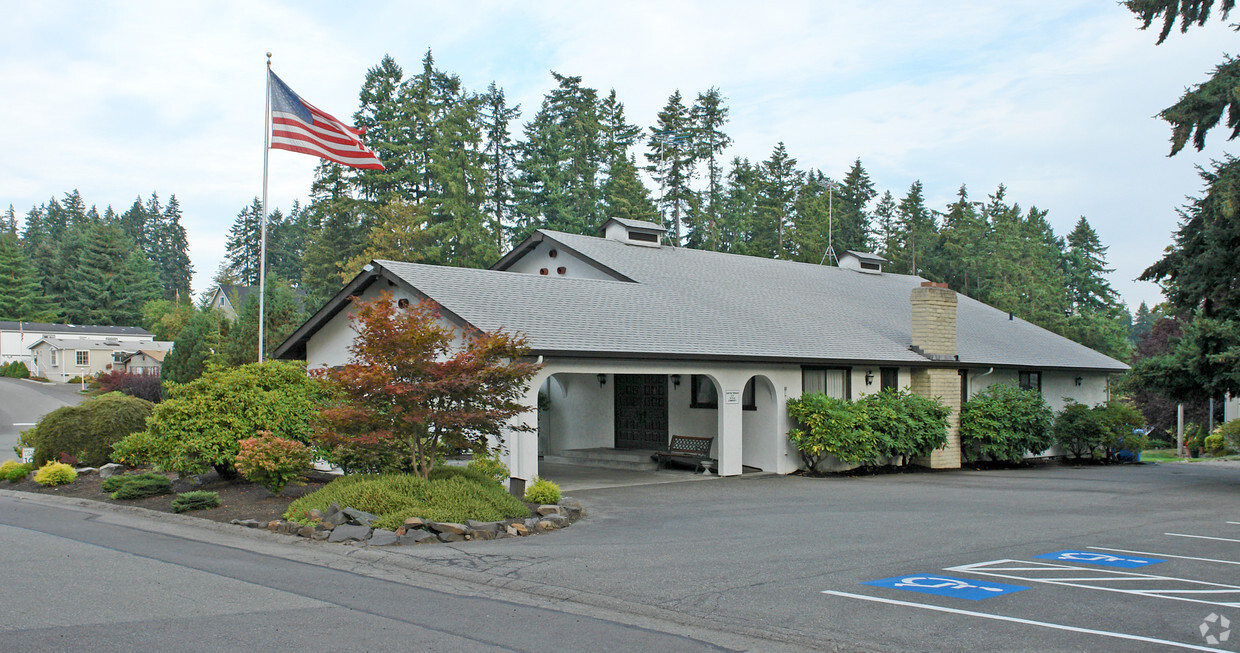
617,413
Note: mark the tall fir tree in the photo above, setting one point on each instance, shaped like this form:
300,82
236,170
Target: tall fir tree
918,232
887,228
171,254
21,297
623,193
740,207
777,184
672,157
243,250
708,117
500,163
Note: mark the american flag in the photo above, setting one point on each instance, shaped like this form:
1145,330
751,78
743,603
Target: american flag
298,126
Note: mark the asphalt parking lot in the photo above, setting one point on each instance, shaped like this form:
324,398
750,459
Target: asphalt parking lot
1133,558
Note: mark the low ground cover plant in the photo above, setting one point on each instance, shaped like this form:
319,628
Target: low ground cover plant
196,500
542,491
88,431
892,424
55,474
451,494
137,486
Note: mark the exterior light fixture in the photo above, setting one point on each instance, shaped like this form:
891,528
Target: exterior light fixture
1078,380
869,377
676,380
602,380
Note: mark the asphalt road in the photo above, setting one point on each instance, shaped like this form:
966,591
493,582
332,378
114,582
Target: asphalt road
740,563
23,402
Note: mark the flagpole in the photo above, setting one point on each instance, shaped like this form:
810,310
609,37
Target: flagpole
262,260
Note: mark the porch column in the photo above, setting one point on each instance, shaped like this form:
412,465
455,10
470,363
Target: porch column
523,445
730,445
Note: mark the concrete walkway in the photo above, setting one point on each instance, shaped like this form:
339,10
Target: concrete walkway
573,478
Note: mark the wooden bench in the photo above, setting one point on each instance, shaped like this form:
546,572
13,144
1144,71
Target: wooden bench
686,449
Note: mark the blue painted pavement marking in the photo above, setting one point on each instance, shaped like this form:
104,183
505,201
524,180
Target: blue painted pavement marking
1104,559
973,590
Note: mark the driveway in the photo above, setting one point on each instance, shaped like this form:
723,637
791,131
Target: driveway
1046,556
23,402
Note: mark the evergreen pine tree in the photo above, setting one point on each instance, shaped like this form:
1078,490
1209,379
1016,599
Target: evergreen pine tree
918,234
21,297
777,184
501,161
197,344
672,157
457,166
98,293
171,256
282,315
382,116
243,249
708,117
740,207
886,228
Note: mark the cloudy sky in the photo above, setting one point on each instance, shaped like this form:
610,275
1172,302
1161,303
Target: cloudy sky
1053,98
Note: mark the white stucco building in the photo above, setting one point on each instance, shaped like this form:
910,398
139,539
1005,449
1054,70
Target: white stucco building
640,341
16,338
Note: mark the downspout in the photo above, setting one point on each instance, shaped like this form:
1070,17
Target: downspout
986,373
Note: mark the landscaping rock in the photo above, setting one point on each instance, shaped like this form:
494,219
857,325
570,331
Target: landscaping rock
314,515
544,525
545,510
111,469
560,521
491,527
483,535
451,537
248,523
573,507
273,525
349,533
382,537
82,471
321,535
519,528
447,527
359,516
415,522
306,531
418,536
334,515
532,523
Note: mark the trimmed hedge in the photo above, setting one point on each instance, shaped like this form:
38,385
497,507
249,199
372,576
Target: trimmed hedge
452,494
542,491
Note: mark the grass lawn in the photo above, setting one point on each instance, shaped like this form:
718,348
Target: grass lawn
1169,455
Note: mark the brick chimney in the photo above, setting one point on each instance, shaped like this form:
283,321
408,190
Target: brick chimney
934,320
934,336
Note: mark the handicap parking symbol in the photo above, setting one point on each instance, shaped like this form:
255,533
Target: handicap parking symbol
972,590
1095,558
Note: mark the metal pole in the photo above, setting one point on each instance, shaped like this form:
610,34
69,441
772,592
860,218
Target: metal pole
1210,420
1179,428
262,257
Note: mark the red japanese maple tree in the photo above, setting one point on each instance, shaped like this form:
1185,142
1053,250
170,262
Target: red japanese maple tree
415,383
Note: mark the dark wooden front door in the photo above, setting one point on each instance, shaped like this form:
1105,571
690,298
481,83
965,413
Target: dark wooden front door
641,411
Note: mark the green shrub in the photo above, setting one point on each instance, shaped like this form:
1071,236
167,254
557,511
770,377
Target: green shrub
196,500
89,430
904,424
490,465
542,491
1003,421
20,472
1215,445
116,482
272,462
1231,434
450,495
1194,437
55,474
1122,422
1080,431
141,486
7,466
200,424
829,427
76,379
15,370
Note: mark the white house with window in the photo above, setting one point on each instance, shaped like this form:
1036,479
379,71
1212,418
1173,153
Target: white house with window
641,341
17,337
61,360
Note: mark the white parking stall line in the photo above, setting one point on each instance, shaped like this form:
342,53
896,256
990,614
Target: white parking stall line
1237,523
23,423
1161,587
1165,555
1029,622
1203,537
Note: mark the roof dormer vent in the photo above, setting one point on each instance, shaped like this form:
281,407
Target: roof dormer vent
633,232
862,262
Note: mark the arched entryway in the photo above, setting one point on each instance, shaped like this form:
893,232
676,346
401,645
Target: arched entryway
760,441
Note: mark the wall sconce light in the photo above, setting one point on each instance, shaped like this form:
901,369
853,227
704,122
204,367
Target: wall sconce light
602,380
869,377
676,380
1078,380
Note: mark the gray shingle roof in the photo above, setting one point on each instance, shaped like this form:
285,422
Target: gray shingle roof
692,303
74,329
